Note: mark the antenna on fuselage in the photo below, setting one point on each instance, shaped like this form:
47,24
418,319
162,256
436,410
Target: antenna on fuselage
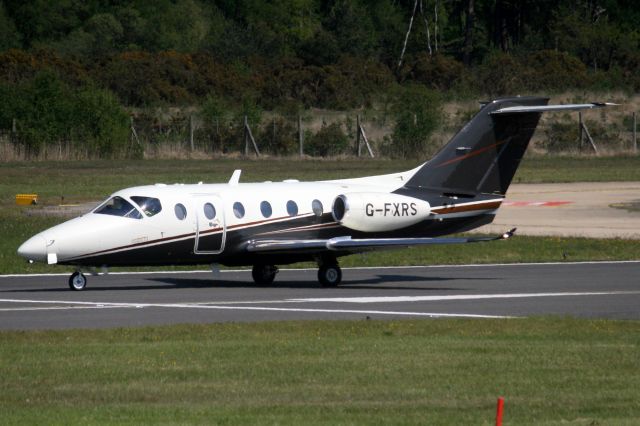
235,177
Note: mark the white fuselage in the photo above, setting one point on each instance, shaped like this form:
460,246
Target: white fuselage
236,205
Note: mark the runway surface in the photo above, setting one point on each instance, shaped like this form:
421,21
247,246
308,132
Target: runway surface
596,290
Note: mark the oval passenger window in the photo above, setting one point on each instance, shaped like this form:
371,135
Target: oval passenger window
292,208
316,206
238,210
181,211
209,211
266,209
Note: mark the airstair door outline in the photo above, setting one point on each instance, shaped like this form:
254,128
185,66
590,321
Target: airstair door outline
211,230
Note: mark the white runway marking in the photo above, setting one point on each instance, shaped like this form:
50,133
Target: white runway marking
229,305
102,305
57,308
386,299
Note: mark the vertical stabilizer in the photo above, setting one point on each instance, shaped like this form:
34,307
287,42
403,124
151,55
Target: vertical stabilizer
485,154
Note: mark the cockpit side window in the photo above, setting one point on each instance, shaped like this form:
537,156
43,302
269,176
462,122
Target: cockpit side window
118,206
149,206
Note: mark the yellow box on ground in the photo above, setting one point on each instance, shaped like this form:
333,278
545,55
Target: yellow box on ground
26,199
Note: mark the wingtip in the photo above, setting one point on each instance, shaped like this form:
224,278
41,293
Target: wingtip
510,233
603,104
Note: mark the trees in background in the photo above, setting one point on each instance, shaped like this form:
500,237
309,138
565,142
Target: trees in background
45,111
336,54
416,111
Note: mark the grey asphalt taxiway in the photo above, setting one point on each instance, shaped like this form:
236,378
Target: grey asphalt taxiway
594,290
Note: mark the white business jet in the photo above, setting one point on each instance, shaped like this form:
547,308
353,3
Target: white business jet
276,223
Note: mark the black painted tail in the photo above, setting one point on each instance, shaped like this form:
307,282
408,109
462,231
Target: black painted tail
484,156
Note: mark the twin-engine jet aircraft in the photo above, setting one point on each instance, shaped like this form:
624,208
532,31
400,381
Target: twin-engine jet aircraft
276,223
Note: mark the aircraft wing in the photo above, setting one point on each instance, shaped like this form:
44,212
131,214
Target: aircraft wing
350,245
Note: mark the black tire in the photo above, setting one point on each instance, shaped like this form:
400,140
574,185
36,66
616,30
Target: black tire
77,281
329,275
264,274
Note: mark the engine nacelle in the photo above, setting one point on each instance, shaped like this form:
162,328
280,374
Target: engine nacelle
378,212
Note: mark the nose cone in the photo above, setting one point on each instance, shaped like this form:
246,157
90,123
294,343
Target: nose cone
35,248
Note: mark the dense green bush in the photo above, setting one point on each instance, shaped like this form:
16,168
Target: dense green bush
561,136
329,140
554,71
417,112
438,72
47,111
501,74
278,136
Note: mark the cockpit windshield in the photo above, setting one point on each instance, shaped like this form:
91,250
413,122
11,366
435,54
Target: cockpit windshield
118,206
149,206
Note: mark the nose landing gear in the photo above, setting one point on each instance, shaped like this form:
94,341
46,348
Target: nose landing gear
77,281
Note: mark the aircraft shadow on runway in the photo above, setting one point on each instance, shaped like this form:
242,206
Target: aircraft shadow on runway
347,284
374,283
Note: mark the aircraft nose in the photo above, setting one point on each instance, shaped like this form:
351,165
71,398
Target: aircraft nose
35,248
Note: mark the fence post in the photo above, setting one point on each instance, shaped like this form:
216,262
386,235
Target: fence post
300,136
635,139
246,136
14,129
217,137
581,129
134,134
191,132
358,144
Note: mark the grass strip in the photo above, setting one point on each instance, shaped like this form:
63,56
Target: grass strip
550,371
94,180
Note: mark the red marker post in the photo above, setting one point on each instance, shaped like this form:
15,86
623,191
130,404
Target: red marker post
499,411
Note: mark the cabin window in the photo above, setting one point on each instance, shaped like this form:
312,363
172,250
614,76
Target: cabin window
316,206
149,206
238,210
292,208
181,211
118,206
266,209
209,211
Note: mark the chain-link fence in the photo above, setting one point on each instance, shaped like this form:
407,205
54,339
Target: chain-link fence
310,134
180,134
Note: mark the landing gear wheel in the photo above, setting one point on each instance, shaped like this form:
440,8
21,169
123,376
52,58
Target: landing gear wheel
263,274
329,275
77,281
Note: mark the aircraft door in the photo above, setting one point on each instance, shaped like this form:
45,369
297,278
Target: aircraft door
210,224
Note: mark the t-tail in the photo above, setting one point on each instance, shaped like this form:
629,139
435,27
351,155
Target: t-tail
483,156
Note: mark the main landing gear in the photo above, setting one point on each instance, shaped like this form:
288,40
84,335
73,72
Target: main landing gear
264,274
77,281
329,274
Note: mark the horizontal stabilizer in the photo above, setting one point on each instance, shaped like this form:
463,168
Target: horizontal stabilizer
347,244
543,108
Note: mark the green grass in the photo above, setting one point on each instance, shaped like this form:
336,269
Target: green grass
552,169
92,181
549,370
